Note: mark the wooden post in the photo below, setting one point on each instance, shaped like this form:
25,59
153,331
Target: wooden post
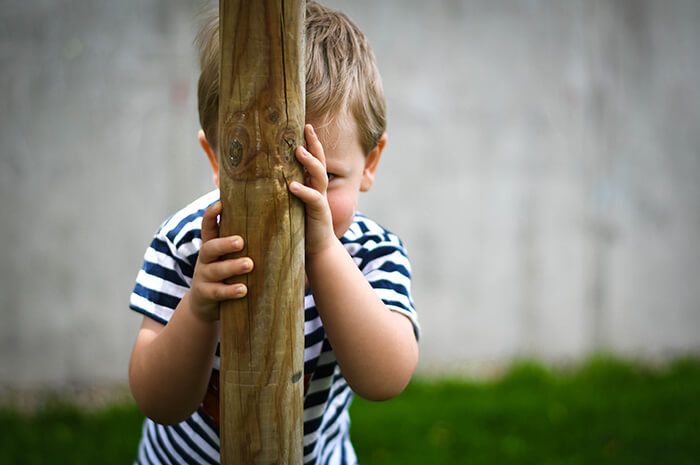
261,119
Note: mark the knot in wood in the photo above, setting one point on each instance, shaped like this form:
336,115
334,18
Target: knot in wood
273,115
235,152
288,143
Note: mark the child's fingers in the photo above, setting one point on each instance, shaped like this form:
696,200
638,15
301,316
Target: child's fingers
219,291
213,249
219,271
311,197
210,227
315,168
313,143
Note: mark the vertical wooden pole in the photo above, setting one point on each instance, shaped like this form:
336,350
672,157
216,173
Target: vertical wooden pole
261,119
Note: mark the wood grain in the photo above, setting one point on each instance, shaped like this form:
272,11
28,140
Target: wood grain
261,118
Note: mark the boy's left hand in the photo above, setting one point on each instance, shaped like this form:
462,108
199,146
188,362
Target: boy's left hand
319,222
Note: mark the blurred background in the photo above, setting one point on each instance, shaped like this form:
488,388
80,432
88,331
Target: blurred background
543,169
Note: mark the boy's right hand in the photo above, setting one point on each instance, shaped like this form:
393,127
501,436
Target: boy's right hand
208,287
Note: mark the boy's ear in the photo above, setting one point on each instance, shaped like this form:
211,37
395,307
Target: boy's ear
211,156
371,164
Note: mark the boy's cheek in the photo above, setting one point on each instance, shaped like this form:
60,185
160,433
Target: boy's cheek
342,211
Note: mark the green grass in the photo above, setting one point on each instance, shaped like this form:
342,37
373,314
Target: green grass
607,412
62,434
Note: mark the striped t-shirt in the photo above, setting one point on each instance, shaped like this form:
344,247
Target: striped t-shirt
167,275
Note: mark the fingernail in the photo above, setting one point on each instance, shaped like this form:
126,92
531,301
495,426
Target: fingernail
248,265
236,242
241,290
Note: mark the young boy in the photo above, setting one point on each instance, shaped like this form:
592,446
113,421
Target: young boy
360,324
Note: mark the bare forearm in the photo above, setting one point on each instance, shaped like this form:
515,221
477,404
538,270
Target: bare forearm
170,370
375,347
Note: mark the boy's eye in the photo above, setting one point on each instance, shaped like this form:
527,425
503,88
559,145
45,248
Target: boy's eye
331,176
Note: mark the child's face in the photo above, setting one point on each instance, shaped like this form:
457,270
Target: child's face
350,170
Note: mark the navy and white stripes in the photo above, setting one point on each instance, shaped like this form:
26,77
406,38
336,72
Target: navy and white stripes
167,275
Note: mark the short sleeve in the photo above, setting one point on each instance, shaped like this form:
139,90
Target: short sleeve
162,281
385,264
168,264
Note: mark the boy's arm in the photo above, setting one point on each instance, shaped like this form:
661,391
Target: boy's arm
170,365
375,347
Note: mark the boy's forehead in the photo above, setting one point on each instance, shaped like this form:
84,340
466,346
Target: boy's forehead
335,130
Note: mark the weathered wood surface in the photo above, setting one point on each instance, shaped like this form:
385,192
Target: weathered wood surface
261,118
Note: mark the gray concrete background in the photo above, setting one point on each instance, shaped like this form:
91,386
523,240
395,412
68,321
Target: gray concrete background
543,169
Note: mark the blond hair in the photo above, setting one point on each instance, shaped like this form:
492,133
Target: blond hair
341,74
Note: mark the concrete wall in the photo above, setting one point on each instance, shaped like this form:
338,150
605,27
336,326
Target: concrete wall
543,169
